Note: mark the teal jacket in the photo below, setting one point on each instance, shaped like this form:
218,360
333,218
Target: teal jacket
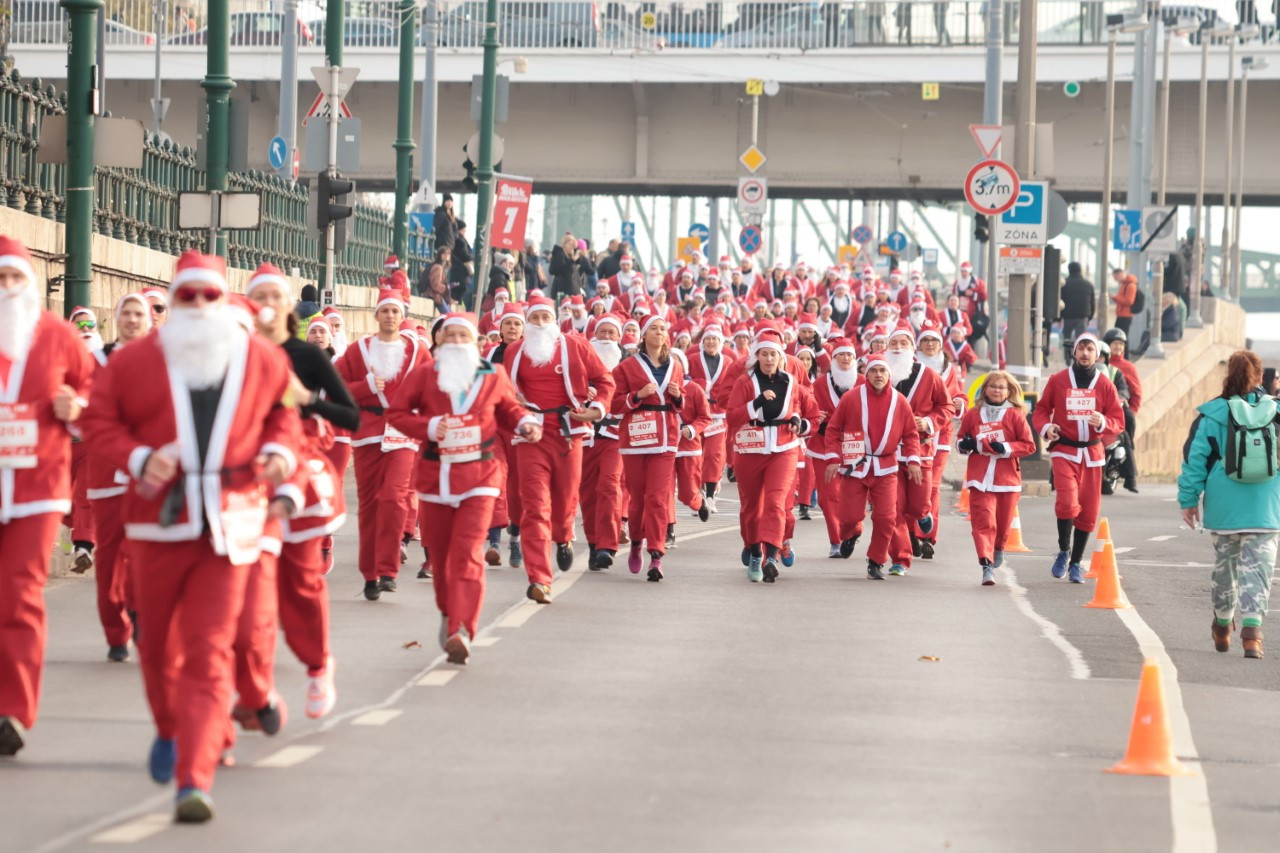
1228,506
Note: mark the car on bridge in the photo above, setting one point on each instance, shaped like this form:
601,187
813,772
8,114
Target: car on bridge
362,32
521,23
250,29
45,22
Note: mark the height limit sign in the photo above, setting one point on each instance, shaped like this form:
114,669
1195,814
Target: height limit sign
992,187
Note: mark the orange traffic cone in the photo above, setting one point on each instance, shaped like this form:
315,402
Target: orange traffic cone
962,504
1107,594
1150,751
1103,536
1014,543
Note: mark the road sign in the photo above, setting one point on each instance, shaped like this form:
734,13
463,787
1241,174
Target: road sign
686,246
200,210
753,195
629,233
846,254
753,158
930,91
496,149
648,22
929,257
320,108
511,197
700,231
1021,260
346,79
988,137
755,86
1027,222
750,239
862,235
422,223
1160,225
991,187
1126,235
896,241
1071,88
277,152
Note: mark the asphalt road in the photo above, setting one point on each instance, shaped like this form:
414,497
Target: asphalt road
703,713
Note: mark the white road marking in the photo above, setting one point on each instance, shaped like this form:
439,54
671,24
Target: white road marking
437,677
484,642
1125,550
1164,564
135,830
377,718
691,536
1049,630
290,756
520,615
1165,538
1193,830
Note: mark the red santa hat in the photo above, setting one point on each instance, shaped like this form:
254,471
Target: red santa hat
391,263
319,323
80,309
642,307
540,303
400,281
630,338
877,359
390,296
198,268
713,332
134,297
509,310
608,320
725,261
330,311
929,329
269,274
156,295
779,265
840,284
575,301
839,345
649,321
767,338
742,330
895,275
1085,336
14,254
810,322
686,272
625,259
465,319
901,332
712,275
878,332
966,267
501,295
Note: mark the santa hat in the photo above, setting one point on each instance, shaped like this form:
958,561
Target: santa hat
133,297
685,271
895,275
725,261
14,254
810,322
625,259
319,323
878,333
198,268
841,284
244,309
929,329
901,332
1085,336
400,281
630,338
389,296
269,274
509,310
804,350
330,311
965,266
679,355
742,329
877,360
540,303
156,295
609,320
575,301
767,338
840,345
713,332
713,275
391,263
647,322
464,319
77,311
801,267
642,307
502,295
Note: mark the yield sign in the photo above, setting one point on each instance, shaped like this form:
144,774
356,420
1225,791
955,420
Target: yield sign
988,137
320,108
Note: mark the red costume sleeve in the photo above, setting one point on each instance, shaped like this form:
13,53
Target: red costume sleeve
910,435
696,413
351,368
403,414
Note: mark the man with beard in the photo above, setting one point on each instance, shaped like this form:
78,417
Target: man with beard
507,509
1079,406
601,492
561,378
158,299
576,322
707,367
195,414
842,305
930,355
44,374
821,450
460,410
337,329
931,407
106,491
489,320
384,457
625,278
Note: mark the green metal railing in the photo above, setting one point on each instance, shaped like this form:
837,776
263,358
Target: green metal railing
140,206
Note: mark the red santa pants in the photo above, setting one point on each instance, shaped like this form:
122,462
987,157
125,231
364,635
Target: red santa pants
1077,492
805,478
913,501
411,502
991,514
789,528
713,455
304,602
689,481
111,570
27,544
340,455
189,602
882,494
455,536
601,494
830,498
549,475
81,511
765,482
650,490
935,494
255,643
512,510
382,481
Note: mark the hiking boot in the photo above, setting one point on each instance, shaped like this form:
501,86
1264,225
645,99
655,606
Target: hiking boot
1251,639
874,571
1222,635
539,592
371,590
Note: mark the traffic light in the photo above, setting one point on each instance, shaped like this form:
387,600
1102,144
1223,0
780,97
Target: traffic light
981,230
469,182
332,206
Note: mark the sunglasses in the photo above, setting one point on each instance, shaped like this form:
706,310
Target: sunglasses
158,309
86,325
190,294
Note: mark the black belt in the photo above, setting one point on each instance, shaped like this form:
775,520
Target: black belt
375,410
1077,444
562,412
666,407
773,422
433,456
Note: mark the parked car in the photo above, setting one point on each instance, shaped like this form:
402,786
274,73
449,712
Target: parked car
250,29
800,27
362,32
552,23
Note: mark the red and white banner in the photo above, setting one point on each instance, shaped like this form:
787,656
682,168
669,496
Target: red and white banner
510,212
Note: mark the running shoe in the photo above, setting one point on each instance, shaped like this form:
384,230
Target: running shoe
636,559
81,560
846,547
11,732
1075,573
655,566
458,648
604,559
273,715
164,754
704,513
988,576
788,556
539,592
755,573
804,513
898,570
1059,565
746,556
517,554
926,549
118,654
671,537
321,695
874,571
424,573
998,561
710,504
371,590
926,525
386,583
404,553
834,552
564,556
491,555
770,570
193,806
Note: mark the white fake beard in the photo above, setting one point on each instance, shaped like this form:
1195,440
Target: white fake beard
580,323
900,364
19,313
92,341
841,303
540,343
917,319
937,362
386,358
456,365
844,377
197,343
609,351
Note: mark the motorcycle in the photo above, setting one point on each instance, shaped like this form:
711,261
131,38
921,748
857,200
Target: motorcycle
1116,455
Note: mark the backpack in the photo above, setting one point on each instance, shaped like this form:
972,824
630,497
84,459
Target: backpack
1251,452
1139,301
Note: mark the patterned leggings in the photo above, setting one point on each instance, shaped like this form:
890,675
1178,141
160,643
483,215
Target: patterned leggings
1242,573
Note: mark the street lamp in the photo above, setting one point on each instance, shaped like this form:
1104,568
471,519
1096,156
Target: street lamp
1207,33
1242,33
1116,24
1247,64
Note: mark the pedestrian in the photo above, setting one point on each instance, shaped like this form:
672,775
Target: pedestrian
994,435
940,24
564,268
1078,406
695,417
820,450
600,491
459,409
45,373
501,278
708,367
1078,306
461,267
1124,298
433,282
1241,496
1270,381
1171,318
1118,342
444,225
535,277
195,414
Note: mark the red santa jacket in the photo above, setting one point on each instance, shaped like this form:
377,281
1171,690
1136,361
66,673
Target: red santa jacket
569,325
621,282
709,381
573,379
951,380
354,369
489,321
55,357
650,424
751,434
962,355
972,293
695,414
826,396
987,470
105,481
1067,404
867,430
138,406
949,317
463,464
1130,371
931,401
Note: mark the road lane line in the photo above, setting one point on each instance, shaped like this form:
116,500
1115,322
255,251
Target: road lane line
1164,538
377,718
438,677
1125,550
522,614
1192,812
135,830
290,756
484,642
691,536
1049,630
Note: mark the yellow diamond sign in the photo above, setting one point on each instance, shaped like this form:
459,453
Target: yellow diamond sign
753,158
755,86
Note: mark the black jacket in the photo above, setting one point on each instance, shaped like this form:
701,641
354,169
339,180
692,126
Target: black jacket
445,229
1078,297
461,257
564,278
610,265
530,265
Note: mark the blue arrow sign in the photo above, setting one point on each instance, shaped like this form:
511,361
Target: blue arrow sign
629,232
862,234
277,151
896,241
750,239
702,232
1127,234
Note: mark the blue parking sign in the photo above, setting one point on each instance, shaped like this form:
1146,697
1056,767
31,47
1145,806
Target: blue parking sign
1126,235
629,232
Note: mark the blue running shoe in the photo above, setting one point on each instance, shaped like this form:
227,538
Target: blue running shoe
755,573
1075,573
517,554
998,561
788,556
193,806
898,570
164,754
1059,565
746,557
926,525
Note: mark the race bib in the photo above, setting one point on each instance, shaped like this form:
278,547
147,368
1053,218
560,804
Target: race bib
1081,403
853,448
991,432
642,429
716,426
243,516
394,439
321,481
749,439
461,442
19,435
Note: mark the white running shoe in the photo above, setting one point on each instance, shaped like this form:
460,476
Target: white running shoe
458,647
321,695
81,561
711,504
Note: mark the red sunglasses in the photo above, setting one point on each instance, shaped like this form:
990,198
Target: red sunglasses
189,294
